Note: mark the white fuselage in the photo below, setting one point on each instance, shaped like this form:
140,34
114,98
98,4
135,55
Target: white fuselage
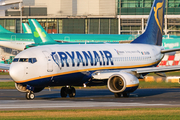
17,45
69,63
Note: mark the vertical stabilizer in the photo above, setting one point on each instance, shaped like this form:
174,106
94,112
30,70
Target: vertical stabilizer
39,34
26,28
3,30
154,28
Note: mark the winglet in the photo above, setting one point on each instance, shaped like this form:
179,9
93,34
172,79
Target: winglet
154,28
26,28
39,34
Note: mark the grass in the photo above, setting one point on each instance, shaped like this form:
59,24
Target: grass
176,73
7,85
91,114
142,84
10,85
4,73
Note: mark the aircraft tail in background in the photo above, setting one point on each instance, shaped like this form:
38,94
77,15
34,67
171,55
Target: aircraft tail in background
26,28
154,28
3,30
39,34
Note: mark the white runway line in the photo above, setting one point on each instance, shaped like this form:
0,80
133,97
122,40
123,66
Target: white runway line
17,104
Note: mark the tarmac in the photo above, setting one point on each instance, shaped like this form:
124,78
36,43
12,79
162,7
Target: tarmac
5,78
11,99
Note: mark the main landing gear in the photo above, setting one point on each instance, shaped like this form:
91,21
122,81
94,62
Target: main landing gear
30,95
68,90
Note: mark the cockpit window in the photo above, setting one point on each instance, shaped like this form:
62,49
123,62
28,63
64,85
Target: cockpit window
32,60
23,60
15,59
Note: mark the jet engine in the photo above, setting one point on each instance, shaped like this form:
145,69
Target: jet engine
122,82
24,88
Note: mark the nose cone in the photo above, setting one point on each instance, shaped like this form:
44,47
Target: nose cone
16,72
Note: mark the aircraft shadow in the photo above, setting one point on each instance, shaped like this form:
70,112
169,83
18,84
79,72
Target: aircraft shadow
153,92
85,93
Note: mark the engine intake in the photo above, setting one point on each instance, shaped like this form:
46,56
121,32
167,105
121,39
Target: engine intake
122,82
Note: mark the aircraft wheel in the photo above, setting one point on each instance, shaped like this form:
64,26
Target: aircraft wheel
72,92
117,95
126,94
63,92
27,95
30,96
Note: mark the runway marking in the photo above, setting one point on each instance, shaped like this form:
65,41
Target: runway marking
18,104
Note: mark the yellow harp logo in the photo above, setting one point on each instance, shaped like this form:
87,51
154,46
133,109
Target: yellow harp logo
158,13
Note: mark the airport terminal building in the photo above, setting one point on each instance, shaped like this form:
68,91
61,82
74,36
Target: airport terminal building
88,16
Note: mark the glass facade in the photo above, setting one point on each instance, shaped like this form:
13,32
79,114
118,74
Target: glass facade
143,7
77,25
73,26
105,25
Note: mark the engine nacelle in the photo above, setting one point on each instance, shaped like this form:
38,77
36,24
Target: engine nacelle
122,82
24,88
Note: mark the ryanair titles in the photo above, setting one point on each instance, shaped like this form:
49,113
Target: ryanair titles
85,58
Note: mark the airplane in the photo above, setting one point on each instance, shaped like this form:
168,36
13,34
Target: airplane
37,41
18,41
116,65
26,28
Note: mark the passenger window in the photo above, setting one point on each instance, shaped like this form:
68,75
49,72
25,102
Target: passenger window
23,60
16,60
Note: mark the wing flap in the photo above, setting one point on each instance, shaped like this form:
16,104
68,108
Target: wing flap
157,69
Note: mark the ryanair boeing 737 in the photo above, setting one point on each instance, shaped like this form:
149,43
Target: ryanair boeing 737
116,65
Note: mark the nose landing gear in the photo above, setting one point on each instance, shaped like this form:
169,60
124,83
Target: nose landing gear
68,90
30,95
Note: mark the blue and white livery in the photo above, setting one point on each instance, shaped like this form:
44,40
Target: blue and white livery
116,65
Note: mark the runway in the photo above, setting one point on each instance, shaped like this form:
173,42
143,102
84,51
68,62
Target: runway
90,98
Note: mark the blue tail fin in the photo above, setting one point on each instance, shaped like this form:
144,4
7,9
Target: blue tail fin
154,28
26,28
39,34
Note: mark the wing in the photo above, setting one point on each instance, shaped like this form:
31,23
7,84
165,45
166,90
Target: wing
158,69
170,50
4,66
136,71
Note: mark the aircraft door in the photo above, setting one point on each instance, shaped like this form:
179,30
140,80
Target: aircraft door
49,61
13,37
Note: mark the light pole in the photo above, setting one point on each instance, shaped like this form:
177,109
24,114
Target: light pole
20,8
